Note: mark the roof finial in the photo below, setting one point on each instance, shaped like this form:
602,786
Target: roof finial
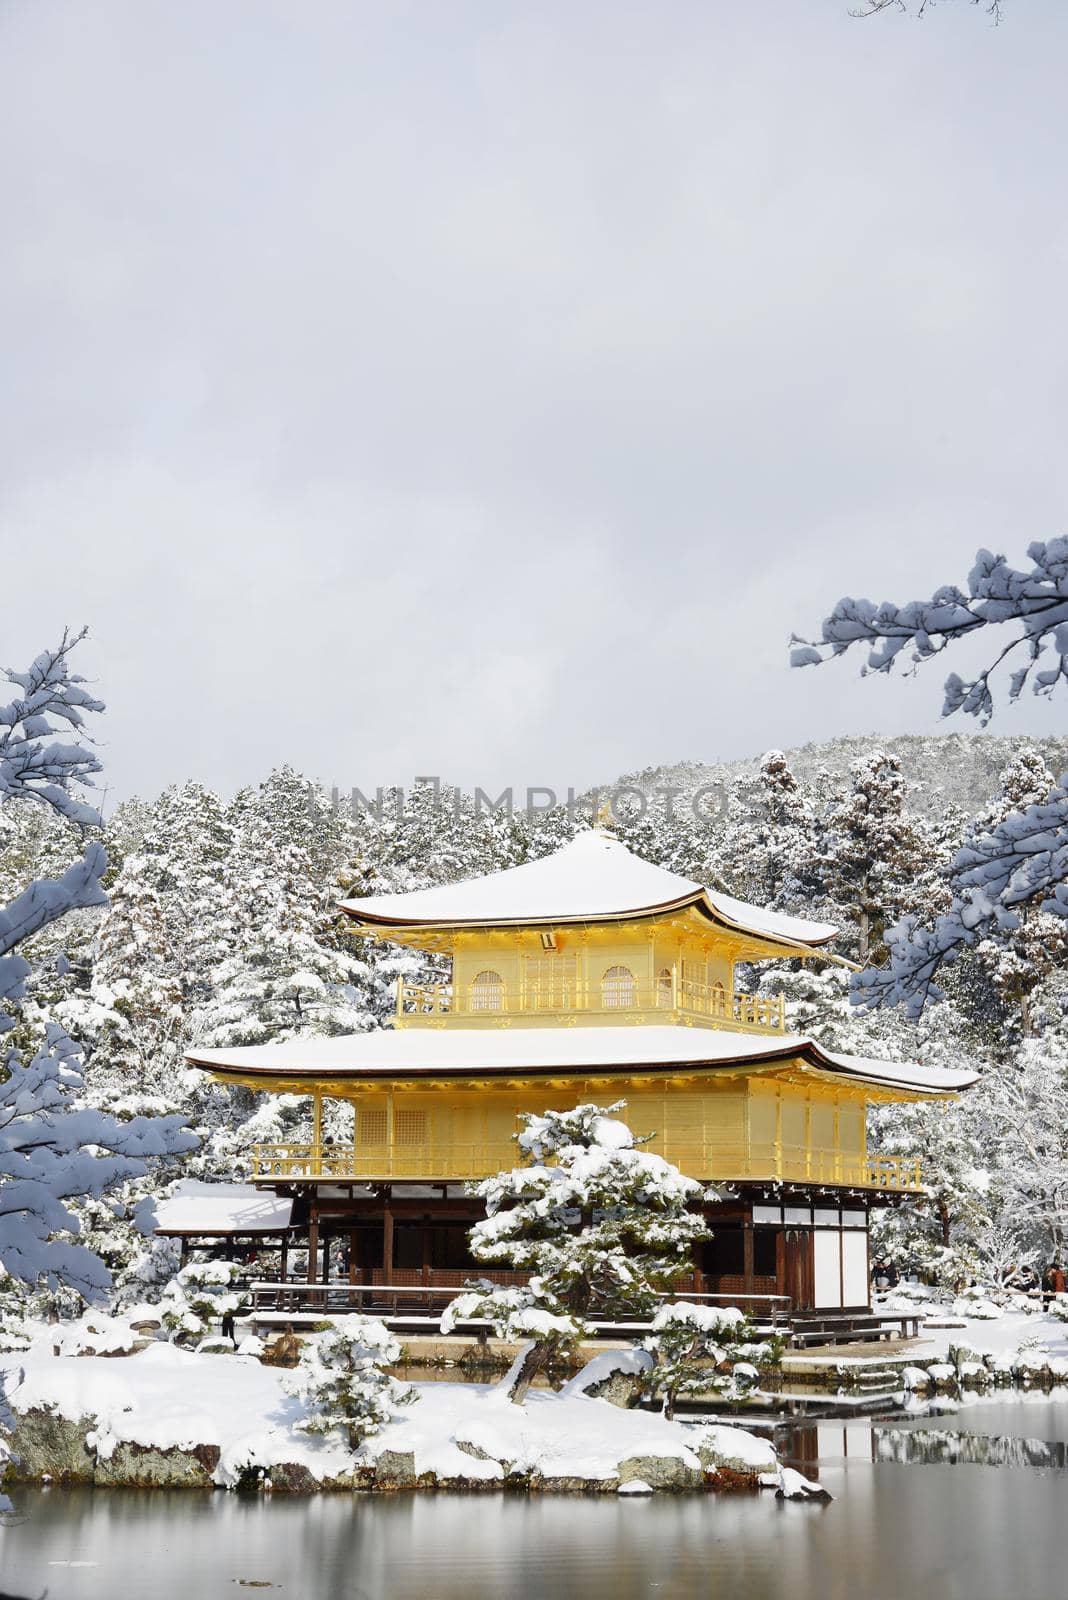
605,820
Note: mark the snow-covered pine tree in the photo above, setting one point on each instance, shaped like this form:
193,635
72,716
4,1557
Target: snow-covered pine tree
700,1349
602,1227
935,1233
283,979
1021,860
877,861
342,1380
140,1017
198,1297
770,849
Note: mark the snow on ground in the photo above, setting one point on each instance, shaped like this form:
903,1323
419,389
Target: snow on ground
1001,1334
565,1435
167,1398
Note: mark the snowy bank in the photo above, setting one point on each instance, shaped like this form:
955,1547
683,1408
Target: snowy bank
169,1417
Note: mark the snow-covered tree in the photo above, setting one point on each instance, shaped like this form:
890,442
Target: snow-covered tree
200,1296
936,1232
771,850
52,1148
283,978
341,1378
139,1026
699,1349
602,1227
876,859
1015,961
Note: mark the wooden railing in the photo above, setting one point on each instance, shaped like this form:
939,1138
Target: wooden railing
432,1003
435,1162
394,1297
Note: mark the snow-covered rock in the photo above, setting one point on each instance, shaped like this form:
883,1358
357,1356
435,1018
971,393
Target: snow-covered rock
616,1376
793,1486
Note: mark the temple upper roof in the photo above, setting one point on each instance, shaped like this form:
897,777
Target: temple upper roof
593,878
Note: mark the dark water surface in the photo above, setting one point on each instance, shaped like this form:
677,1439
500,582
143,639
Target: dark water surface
911,1521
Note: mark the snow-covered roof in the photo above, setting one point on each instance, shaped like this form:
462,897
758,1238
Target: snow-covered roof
592,877
430,1052
218,1208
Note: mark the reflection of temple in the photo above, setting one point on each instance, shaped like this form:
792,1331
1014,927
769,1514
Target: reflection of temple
589,975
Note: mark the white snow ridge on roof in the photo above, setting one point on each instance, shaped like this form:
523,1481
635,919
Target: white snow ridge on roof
385,1051
590,877
217,1208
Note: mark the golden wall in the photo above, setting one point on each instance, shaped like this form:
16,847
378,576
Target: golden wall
711,1127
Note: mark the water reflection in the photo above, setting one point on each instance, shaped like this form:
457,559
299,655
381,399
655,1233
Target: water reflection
924,1446
953,1531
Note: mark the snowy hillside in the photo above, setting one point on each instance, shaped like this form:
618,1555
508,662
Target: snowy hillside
961,768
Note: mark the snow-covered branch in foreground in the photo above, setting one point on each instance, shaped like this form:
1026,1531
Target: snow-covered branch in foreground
34,763
44,902
602,1227
52,1150
1022,861
1037,599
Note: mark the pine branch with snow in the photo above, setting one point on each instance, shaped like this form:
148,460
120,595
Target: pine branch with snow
52,1148
997,594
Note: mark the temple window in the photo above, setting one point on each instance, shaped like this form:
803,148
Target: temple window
409,1127
617,987
664,995
373,1126
487,991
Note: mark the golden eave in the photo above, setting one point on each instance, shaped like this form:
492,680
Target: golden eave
792,1066
441,937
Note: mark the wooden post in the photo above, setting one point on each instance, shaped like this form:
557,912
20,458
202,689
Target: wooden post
313,1245
426,1252
747,1254
387,1239
283,1263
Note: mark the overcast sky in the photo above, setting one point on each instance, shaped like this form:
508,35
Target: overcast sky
489,389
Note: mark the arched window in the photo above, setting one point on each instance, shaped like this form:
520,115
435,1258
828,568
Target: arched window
664,995
487,991
617,987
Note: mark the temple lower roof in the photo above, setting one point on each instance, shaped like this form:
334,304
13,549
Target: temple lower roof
465,1052
218,1209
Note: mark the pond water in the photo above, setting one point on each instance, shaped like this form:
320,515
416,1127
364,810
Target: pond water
966,1504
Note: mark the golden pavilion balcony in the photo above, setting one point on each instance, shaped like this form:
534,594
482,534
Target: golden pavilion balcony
474,1005
452,1163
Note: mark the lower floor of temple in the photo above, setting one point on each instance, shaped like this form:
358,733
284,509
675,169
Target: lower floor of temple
805,1250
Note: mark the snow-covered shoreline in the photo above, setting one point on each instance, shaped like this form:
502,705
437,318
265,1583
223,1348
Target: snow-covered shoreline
169,1417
